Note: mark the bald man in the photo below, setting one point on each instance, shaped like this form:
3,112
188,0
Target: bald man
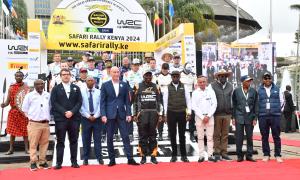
115,110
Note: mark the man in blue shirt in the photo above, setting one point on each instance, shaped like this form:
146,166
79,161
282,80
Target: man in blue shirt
91,122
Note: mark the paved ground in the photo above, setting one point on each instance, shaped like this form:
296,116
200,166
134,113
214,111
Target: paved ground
288,152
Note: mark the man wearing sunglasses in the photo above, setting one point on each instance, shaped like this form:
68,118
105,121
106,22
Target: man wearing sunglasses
269,104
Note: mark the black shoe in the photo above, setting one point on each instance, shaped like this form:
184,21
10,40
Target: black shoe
173,159
111,163
240,159
100,161
217,157
44,165
132,162
143,160
75,165
184,159
160,138
250,159
212,159
226,158
85,162
153,160
33,167
57,167
201,159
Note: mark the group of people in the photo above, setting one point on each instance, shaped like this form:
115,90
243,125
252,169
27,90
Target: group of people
151,97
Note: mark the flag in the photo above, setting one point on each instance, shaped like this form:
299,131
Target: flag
171,8
157,20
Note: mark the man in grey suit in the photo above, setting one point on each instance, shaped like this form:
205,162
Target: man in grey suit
244,101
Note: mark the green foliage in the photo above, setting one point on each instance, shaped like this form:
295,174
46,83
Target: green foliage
20,22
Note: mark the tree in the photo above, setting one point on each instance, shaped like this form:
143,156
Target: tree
19,17
188,11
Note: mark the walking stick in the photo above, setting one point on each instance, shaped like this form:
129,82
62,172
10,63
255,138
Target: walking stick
4,90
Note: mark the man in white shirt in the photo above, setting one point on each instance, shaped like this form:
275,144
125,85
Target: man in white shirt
54,68
36,108
204,103
91,122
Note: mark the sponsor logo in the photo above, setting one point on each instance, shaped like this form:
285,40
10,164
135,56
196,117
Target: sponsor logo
100,7
17,65
17,49
129,24
34,59
98,18
98,30
34,50
34,36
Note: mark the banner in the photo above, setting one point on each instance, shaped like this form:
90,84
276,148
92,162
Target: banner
13,55
240,59
99,25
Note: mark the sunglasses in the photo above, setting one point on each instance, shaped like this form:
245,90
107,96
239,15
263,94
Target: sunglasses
267,78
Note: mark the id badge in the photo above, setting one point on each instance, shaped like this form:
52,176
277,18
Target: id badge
247,109
268,106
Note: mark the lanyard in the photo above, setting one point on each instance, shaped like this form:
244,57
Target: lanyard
246,96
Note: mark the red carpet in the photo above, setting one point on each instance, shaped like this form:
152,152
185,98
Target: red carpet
272,170
288,142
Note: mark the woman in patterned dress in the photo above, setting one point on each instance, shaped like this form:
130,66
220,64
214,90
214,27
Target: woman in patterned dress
16,121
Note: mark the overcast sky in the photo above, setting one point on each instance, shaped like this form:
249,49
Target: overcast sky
285,22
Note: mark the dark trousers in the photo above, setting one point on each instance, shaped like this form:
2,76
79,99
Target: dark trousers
110,126
160,127
61,128
288,120
130,128
192,122
239,134
265,123
174,119
88,129
147,133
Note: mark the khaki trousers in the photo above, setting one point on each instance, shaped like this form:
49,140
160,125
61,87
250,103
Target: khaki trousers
221,131
209,135
38,134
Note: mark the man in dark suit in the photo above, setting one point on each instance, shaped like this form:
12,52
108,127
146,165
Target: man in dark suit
66,101
288,108
115,110
244,102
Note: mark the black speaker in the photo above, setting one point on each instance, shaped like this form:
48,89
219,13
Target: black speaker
199,62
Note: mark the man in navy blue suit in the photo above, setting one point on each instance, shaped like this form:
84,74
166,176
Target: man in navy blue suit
115,110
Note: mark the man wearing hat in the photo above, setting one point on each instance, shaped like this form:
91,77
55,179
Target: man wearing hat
176,66
223,91
147,111
269,105
92,71
244,102
133,77
163,79
177,110
147,58
80,82
74,71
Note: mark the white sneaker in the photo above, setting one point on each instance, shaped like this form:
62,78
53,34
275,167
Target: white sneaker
279,159
266,159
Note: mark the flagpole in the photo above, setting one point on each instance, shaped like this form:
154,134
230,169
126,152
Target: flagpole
154,28
237,22
164,18
157,11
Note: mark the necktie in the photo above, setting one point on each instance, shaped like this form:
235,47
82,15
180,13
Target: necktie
91,104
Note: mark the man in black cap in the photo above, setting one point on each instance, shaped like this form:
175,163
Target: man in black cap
147,111
74,71
244,101
269,104
177,102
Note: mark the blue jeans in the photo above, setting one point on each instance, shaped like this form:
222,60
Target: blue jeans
265,124
88,129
